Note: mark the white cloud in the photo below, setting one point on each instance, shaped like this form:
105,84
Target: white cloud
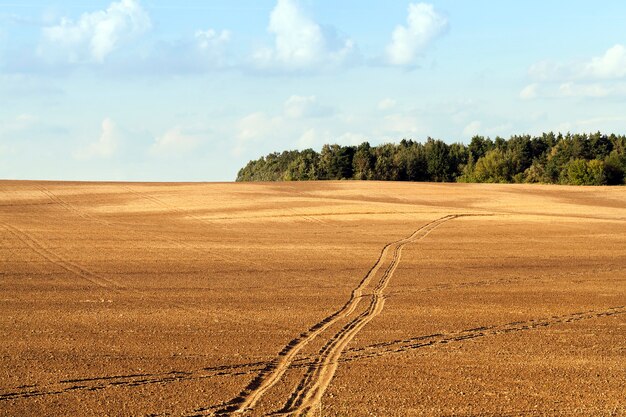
477,127
571,89
596,120
529,92
309,139
549,70
210,39
402,124
610,65
386,104
256,127
204,51
300,43
174,142
95,35
351,138
603,124
313,138
424,25
472,129
597,77
22,122
298,107
26,127
105,146
597,90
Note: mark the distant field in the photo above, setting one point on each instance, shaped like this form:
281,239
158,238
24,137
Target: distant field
312,298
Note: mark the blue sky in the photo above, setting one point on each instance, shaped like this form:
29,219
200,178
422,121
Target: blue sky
154,90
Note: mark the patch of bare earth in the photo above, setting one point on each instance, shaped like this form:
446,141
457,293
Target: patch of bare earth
318,298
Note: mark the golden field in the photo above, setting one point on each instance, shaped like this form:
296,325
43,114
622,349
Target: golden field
319,298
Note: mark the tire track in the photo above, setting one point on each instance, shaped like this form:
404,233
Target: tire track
102,281
171,208
351,354
330,214
129,381
311,388
181,243
397,347
96,279
305,217
248,398
76,269
512,280
52,257
405,345
394,347
71,207
612,411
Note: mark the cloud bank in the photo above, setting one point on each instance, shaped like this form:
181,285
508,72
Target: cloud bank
94,36
300,43
597,77
175,142
424,25
105,146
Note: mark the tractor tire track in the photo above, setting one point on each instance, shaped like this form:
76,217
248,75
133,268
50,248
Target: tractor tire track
612,411
173,209
56,259
512,281
353,354
130,381
248,398
317,379
92,277
101,281
71,207
405,345
275,369
78,270
305,217
181,243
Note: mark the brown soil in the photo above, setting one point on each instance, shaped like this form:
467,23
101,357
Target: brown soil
320,298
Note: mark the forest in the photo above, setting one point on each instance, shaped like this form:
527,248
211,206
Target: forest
576,159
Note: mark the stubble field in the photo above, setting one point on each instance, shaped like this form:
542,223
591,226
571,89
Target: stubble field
320,298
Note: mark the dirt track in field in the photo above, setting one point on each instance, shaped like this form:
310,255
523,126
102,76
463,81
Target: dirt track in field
323,298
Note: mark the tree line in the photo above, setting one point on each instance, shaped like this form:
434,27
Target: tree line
577,159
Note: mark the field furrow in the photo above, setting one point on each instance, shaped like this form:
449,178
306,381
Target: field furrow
311,298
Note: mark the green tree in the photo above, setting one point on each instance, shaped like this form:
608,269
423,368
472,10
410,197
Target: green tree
437,160
304,167
385,168
615,168
336,162
582,172
495,166
568,159
596,172
600,145
416,163
363,162
535,173
458,156
479,146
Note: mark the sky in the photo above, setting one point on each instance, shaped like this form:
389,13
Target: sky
155,90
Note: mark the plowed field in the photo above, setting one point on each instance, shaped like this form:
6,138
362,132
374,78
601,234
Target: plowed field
319,298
